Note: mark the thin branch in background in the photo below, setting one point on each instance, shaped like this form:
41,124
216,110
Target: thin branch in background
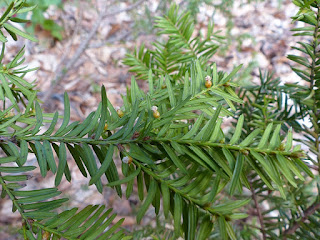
306,214
117,38
127,9
67,49
253,226
254,198
84,44
315,167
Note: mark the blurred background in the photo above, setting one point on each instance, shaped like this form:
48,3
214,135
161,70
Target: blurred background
82,44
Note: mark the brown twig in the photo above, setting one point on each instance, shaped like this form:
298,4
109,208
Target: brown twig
315,167
111,40
74,58
83,46
254,198
67,48
308,212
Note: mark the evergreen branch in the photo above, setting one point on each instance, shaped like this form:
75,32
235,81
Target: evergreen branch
315,44
310,97
34,208
14,201
140,61
181,34
93,222
170,140
174,55
150,140
171,187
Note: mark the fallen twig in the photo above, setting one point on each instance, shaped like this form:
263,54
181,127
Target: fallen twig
83,46
127,9
111,40
67,49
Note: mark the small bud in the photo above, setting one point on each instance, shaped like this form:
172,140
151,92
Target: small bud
127,159
105,127
207,205
120,112
281,147
135,135
4,67
208,83
163,86
156,113
46,235
244,152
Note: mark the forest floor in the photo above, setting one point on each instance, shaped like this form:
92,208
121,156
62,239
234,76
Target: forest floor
258,36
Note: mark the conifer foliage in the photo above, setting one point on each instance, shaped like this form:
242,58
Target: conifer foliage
170,142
